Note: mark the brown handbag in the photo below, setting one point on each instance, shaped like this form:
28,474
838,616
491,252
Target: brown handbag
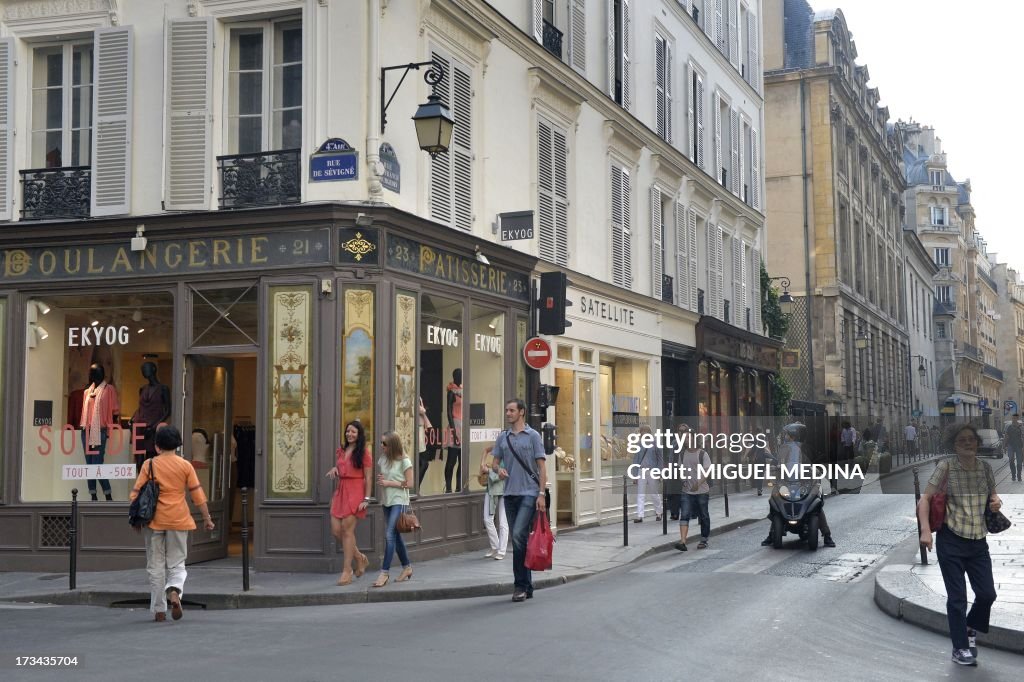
407,521
937,506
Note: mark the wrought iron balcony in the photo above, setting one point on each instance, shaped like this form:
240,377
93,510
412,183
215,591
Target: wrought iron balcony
700,301
48,193
726,317
667,289
970,351
552,39
261,179
944,308
993,372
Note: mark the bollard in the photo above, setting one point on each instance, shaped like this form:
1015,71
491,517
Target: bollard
917,499
245,540
664,509
73,540
625,513
725,495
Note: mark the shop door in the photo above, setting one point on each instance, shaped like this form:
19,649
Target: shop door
590,447
207,408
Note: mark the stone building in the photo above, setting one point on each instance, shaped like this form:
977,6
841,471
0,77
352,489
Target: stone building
1009,339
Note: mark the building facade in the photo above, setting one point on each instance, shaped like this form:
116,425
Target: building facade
834,188
1009,339
920,271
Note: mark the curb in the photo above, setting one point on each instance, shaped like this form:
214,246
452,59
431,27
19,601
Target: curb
255,600
901,595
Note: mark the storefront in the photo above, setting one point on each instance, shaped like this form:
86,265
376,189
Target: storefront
259,337
608,373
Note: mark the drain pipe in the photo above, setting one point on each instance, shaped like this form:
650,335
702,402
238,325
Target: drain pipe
375,169
807,241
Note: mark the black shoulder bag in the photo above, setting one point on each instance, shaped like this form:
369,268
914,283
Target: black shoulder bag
529,470
143,507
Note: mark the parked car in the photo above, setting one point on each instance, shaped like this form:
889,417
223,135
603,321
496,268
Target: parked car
991,444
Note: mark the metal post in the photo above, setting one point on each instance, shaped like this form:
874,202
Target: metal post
73,540
917,499
664,509
245,540
625,513
725,495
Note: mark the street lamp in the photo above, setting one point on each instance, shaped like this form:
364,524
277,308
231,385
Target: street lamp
786,299
434,122
921,370
862,339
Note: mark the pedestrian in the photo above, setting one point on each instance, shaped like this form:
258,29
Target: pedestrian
696,492
673,486
354,471
910,437
519,460
493,504
647,459
970,488
881,435
394,481
167,534
759,456
848,437
1015,447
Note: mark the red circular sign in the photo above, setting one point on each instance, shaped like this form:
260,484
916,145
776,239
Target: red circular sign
537,353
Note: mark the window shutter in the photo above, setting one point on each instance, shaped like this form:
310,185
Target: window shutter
190,118
612,57
700,121
734,38
537,19
690,113
691,228
659,85
578,36
737,282
734,142
682,258
112,115
709,300
741,179
720,272
462,139
441,165
716,173
626,64
561,187
6,126
755,170
552,203
627,233
657,245
755,288
753,64
720,39
618,255
668,92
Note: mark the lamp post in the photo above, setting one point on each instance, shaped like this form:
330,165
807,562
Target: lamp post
922,371
786,299
434,122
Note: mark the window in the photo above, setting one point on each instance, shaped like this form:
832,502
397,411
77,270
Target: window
618,52
62,105
935,176
622,252
695,116
940,330
485,415
451,174
265,87
940,215
552,194
942,257
943,294
441,389
623,394
722,116
663,87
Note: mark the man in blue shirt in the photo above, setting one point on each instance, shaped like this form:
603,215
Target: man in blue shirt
519,460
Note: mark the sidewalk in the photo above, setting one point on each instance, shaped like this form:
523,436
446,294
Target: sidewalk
578,554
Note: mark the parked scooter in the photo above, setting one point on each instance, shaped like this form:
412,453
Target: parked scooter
793,508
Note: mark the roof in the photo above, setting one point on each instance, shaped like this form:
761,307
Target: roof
917,171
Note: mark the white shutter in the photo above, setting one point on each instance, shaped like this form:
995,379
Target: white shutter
734,37
560,167
753,63
720,271
716,173
612,56
737,282
657,245
552,203
690,113
190,118
720,38
110,193
6,126
710,296
659,85
462,147
691,229
742,177
755,170
626,64
441,165
734,142
537,19
755,289
668,93
627,231
618,249
682,258
700,122
578,36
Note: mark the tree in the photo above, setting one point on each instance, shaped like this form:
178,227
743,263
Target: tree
771,312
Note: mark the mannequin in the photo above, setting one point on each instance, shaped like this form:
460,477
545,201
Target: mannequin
99,412
427,453
154,408
455,426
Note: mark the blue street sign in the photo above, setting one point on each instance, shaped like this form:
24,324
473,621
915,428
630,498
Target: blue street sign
1009,406
335,160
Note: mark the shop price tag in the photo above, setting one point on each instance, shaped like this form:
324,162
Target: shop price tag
483,435
80,472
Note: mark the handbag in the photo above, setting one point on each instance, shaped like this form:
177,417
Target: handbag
483,478
937,506
143,507
995,522
540,545
407,521
529,470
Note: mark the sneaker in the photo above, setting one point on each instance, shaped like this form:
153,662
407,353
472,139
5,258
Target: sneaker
638,520
972,641
499,556
681,546
964,657
490,554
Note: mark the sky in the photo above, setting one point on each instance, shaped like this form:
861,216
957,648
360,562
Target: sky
954,66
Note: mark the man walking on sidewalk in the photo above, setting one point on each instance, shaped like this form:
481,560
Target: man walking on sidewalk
519,460
910,436
1015,446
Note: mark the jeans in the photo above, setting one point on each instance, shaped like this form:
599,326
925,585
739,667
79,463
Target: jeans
519,509
957,556
393,539
1013,453
673,501
696,504
98,452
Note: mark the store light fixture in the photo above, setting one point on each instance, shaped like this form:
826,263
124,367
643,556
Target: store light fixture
139,240
481,258
41,332
140,330
95,323
40,307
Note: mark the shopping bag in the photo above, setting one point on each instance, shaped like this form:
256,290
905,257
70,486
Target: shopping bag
540,545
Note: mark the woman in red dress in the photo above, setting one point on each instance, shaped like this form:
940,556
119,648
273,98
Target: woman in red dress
354,471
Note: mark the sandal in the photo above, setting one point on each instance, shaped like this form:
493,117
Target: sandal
382,580
174,601
361,563
344,580
702,544
406,574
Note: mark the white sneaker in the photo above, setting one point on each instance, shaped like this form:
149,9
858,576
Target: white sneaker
499,556
490,554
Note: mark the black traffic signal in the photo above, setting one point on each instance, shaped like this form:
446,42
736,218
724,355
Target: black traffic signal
552,304
549,439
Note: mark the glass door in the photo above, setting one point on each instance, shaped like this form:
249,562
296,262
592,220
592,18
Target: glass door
207,394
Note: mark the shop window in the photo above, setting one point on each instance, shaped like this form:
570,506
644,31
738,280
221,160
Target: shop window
358,362
85,388
485,413
624,406
441,390
521,332
564,352
225,317
587,356
565,418
3,378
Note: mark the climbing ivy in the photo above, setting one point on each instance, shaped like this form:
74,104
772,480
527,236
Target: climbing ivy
771,312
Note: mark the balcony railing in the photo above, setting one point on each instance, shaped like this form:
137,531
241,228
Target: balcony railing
552,39
993,372
725,311
700,301
971,351
943,308
261,179
667,289
988,280
48,193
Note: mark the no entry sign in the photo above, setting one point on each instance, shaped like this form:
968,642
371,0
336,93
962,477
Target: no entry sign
537,353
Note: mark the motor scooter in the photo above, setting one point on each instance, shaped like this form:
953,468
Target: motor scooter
793,508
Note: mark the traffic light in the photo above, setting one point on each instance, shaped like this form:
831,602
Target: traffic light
552,304
549,439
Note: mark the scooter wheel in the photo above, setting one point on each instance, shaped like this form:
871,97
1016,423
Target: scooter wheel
812,533
778,530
